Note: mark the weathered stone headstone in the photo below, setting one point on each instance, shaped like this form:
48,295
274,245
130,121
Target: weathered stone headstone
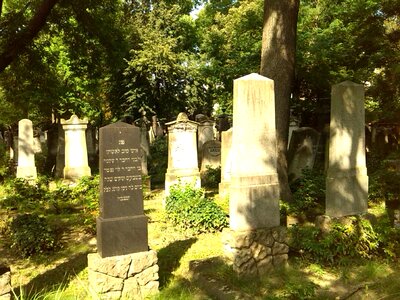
76,155
302,151
226,163
182,153
124,267
293,125
60,152
347,180
256,242
211,155
205,133
223,124
254,201
26,158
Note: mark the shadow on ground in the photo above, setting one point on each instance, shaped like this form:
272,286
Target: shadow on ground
60,275
169,258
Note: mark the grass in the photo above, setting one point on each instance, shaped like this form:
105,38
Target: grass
63,275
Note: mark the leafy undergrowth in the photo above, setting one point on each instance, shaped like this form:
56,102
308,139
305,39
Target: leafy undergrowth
63,274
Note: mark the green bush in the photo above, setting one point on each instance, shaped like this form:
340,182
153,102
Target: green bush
86,193
211,177
308,194
6,168
31,234
21,193
187,207
158,160
352,240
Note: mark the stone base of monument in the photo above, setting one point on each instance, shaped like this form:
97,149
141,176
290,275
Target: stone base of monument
28,173
182,177
256,252
5,283
132,276
76,173
347,193
223,189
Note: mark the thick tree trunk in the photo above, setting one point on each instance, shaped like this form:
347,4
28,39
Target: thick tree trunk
23,39
277,63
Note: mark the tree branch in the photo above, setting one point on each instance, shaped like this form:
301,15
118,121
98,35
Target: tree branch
17,45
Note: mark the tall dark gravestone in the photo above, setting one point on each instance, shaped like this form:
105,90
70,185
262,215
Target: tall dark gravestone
122,225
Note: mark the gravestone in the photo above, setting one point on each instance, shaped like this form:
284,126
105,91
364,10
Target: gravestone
211,155
293,125
124,267
302,151
226,163
26,158
347,180
60,152
223,124
255,242
182,153
205,133
76,155
122,226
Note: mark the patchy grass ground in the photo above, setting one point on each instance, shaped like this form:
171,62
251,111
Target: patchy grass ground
63,275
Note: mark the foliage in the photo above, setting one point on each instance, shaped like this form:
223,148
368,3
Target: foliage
229,39
61,198
348,40
162,73
354,239
86,193
187,207
158,160
5,164
308,194
31,234
211,177
384,178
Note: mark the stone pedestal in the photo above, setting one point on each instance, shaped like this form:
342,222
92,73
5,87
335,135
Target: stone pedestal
26,158
255,252
182,153
5,283
347,180
132,276
76,155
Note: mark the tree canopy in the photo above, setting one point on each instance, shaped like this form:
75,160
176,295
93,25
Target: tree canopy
105,59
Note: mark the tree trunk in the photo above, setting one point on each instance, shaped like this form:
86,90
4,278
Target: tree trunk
277,63
23,39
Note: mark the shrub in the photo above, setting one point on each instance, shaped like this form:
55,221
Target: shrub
31,234
211,177
187,207
86,193
355,239
308,194
158,160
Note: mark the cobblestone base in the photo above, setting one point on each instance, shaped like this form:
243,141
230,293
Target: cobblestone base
5,283
132,276
256,252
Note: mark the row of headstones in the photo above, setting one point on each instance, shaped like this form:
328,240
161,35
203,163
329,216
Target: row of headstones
76,156
255,242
